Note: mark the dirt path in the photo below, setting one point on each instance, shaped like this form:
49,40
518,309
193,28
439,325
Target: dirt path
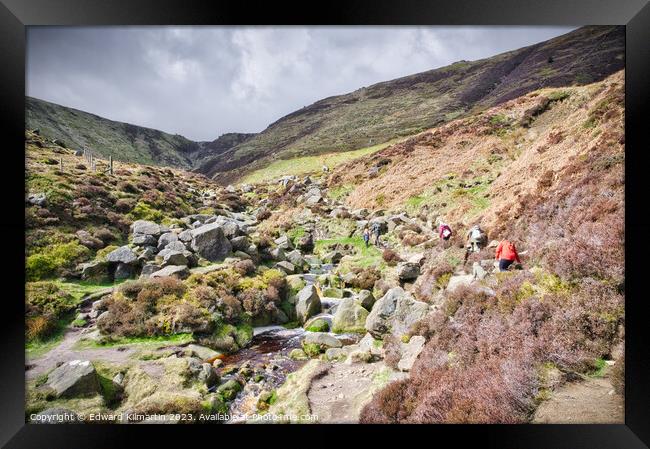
590,401
339,395
65,351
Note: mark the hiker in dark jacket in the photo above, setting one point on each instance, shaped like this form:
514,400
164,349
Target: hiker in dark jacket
366,236
376,230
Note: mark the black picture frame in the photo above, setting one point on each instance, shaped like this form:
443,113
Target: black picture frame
15,15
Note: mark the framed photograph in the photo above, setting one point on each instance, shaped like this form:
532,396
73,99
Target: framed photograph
364,213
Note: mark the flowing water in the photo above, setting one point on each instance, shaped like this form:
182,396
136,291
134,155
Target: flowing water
267,357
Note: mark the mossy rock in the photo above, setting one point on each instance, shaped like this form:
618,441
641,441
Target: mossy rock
318,325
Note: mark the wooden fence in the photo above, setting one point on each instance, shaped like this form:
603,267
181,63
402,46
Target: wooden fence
91,159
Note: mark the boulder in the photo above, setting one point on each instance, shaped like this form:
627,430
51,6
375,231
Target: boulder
176,246
174,258
478,272
408,271
148,269
284,242
144,240
76,378
185,236
277,254
229,389
179,271
209,242
458,280
123,254
37,199
295,257
298,354
322,339
349,317
333,257
366,299
123,271
319,323
285,266
331,292
337,354
145,227
165,239
410,352
395,312
307,303
202,352
95,270
369,343
240,243
203,372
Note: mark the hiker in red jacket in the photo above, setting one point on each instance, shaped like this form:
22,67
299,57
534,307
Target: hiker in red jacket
506,254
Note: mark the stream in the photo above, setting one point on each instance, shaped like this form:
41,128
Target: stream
267,357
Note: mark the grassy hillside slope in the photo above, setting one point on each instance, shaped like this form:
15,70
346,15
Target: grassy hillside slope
125,142
408,105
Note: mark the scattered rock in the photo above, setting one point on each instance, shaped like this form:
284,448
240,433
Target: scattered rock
349,317
366,299
76,378
209,242
322,339
179,271
410,352
123,254
307,303
145,227
395,312
408,271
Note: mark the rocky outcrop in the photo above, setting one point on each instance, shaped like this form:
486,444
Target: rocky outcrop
349,317
395,312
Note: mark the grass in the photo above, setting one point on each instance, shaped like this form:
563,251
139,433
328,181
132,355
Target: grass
308,164
79,289
364,256
157,341
599,368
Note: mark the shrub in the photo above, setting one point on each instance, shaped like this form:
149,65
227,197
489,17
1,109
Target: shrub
143,211
126,186
104,235
54,258
391,257
365,278
245,267
46,303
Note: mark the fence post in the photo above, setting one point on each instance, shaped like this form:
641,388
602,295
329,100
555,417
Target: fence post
110,165
61,163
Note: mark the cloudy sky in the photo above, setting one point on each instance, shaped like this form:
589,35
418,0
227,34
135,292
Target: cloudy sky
202,82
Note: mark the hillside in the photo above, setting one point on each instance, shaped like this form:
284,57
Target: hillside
156,291
125,142
408,105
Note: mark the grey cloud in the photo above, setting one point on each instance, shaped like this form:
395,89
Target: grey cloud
204,81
